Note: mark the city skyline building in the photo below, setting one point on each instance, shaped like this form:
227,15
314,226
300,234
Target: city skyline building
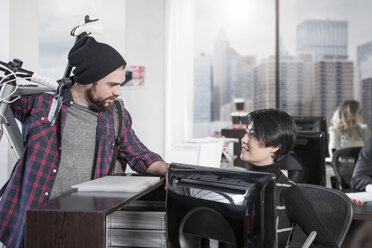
202,109
245,78
264,84
324,39
363,52
333,75
333,83
366,86
202,88
295,84
366,102
221,76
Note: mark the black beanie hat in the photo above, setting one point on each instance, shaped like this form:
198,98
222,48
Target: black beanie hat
93,60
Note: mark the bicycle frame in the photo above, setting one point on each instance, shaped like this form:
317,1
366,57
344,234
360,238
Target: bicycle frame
7,119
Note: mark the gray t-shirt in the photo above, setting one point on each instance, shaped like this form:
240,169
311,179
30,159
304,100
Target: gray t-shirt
78,147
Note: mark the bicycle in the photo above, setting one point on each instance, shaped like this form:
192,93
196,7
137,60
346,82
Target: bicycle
16,81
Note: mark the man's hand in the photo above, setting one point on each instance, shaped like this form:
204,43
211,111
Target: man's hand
159,168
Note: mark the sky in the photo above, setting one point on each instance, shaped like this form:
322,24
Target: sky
250,24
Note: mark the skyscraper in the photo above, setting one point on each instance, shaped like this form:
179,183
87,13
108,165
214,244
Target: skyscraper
226,62
244,80
333,83
364,51
202,95
324,39
202,88
366,86
295,84
264,84
220,74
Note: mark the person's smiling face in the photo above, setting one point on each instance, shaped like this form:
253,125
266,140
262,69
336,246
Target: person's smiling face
253,151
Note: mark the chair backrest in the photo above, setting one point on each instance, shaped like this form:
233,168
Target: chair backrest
292,164
334,209
343,163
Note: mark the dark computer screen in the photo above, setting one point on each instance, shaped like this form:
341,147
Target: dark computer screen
313,123
309,152
212,207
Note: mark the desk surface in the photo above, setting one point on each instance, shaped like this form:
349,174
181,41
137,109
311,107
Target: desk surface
363,211
85,201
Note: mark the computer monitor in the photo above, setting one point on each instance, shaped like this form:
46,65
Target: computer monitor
213,207
313,123
309,153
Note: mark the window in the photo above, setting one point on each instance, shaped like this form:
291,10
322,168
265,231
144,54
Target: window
325,57
234,49
336,38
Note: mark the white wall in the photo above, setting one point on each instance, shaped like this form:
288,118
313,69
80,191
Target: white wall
4,56
4,27
19,39
145,46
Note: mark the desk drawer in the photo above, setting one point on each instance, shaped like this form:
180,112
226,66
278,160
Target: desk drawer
135,238
136,220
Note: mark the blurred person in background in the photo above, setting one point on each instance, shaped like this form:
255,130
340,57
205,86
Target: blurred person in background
347,129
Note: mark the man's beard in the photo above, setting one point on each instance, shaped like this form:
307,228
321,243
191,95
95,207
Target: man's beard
97,104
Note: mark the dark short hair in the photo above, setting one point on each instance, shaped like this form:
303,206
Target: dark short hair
274,127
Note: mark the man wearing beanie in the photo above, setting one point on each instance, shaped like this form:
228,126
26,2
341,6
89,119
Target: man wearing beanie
80,146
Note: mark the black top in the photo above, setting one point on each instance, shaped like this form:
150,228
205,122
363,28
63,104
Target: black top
362,175
298,209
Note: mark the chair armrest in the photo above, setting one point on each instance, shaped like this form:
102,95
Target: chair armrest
309,240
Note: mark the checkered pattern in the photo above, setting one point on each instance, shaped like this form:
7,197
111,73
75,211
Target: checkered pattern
33,177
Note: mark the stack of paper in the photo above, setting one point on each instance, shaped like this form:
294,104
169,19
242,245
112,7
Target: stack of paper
361,197
118,184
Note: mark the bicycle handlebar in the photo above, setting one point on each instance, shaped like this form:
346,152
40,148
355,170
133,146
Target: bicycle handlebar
13,70
44,81
9,82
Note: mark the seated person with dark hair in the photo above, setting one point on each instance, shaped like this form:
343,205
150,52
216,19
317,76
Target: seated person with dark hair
270,135
362,175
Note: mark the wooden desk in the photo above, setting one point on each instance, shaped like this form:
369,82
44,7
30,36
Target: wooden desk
362,212
78,219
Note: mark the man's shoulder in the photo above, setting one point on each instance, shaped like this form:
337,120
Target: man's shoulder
45,98
38,99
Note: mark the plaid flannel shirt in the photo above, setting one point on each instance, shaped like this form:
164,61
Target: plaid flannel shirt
35,172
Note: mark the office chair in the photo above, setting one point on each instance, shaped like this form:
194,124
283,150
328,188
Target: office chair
333,207
343,163
293,165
